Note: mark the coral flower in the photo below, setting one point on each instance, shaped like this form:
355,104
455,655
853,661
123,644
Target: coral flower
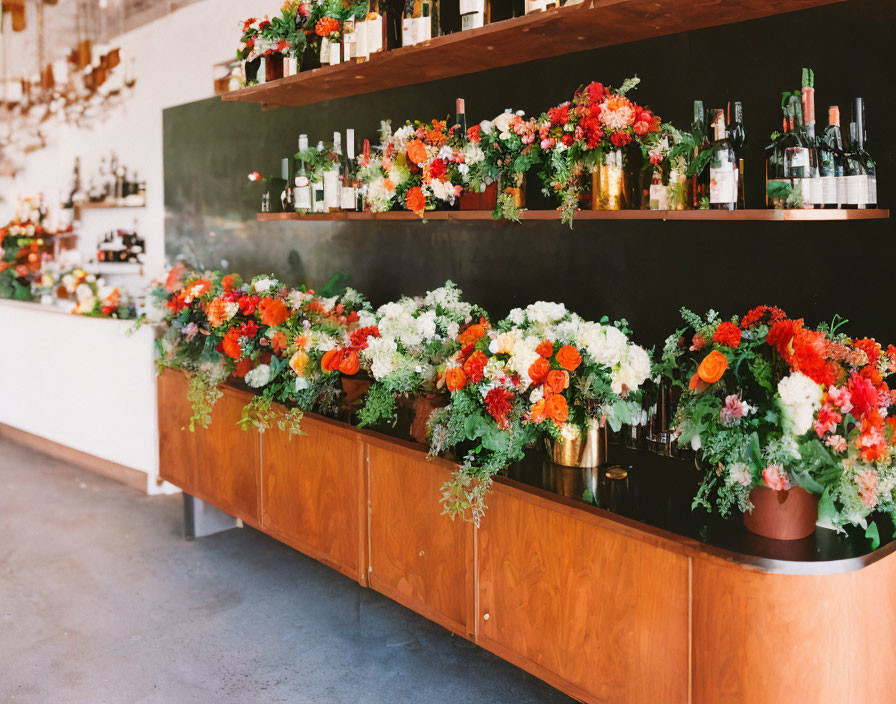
472,334
455,379
568,357
556,409
331,360
416,152
298,362
710,370
775,478
474,365
220,311
556,382
416,201
545,349
231,344
727,334
538,370
272,311
349,364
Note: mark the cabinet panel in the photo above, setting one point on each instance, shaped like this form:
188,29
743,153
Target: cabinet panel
589,607
313,494
418,556
178,447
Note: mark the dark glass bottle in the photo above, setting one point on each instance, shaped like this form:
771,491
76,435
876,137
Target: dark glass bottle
722,167
867,162
777,181
699,183
738,136
830,162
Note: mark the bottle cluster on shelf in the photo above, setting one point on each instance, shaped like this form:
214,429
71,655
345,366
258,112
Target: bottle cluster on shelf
113,184
121,246
309,35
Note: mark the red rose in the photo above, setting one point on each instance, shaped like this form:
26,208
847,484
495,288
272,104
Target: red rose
727,334
499,403
567,139
474,365
249,328
437,169
620,139
248,304
640,127
596,92
359,337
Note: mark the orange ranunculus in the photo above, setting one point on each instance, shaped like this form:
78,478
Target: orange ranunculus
416,201
349,364
557,381
220,311
300,341
568,357
536,412
545,349
331,360
539,369
272,311
471,335
416,151
712,367
298,362
556,409
231,344
455,379
278,342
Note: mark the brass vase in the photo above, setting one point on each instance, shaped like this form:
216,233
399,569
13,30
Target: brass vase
579,447
515,187
608,183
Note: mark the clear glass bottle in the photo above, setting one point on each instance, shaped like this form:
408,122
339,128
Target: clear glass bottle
699,183
348,197
317,184
302,194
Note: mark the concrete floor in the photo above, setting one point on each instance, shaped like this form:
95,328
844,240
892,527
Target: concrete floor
101,600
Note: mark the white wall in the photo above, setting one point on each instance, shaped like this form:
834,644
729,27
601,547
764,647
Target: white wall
174,64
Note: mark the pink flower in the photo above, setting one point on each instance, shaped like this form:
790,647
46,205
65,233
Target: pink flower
191,330
734,410
656,156
775,478
840,397
697,342
826,420
867,483
548,143
837,443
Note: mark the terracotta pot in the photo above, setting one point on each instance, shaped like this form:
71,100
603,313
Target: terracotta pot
470,200
782,515
354,388
422,408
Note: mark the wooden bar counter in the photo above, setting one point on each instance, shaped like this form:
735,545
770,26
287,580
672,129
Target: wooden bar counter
613,591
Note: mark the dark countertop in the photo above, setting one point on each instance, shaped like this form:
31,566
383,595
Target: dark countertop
658,492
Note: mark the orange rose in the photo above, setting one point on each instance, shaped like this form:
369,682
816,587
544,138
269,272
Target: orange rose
712,367
557,381
568,357
416,201
416,151
349,364
298,362
272,311
331,360
545,349
278,342
471,334
556,409
536,413
539,369
455,379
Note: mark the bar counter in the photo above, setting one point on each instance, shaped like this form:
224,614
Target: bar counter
613,591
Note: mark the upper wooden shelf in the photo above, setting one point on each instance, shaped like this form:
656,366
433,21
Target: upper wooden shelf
726,215
104,205
590,25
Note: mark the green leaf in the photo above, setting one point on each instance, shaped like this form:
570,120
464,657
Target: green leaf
827,514
873,534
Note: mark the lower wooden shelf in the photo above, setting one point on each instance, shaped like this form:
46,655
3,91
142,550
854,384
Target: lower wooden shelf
606,610
550,215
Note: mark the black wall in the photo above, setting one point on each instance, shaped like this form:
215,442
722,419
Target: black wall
641,270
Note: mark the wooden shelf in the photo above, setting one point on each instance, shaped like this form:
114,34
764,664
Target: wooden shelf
533,215
590,25
104,206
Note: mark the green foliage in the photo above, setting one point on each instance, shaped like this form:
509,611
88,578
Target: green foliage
379,406
202,395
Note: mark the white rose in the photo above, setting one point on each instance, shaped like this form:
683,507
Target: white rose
263,285
259,376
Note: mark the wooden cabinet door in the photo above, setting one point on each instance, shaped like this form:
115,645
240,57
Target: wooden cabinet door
313,494
418,557
588,609
178,447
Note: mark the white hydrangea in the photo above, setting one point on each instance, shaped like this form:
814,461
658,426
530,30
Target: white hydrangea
264,285
259,376
606,344
524,355
739,473
443,190
452,330
517,316
633,370
297,298
545,312
426,325
366,319
382,353
800,398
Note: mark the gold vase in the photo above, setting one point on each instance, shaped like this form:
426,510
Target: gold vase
608,183
579,447
515,187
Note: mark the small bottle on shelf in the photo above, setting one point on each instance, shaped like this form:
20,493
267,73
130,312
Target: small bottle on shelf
868,163
722,167
814,195
317,185
376,28
409,23
349,40
830,162
287,204
658,192
738,136
348,198
699,183
332,177
302,196
461,119
474,13
777,182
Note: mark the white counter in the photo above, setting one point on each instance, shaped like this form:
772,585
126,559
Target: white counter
81,382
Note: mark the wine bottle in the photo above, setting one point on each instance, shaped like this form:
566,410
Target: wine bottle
349,40
777,182
722,167
408,23
302,196
658,194
317,184
797,157
738,137
830,162
461,120
699,182
286,197
332,177
814,197
474,13
348,196
867,162
375,39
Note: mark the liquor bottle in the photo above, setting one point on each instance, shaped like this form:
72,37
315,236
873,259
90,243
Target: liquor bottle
801,158
360,186
286,197
302,197
362,52
830,162
814,195
867,162
699,183
722,167
461,120
349,40
428,25
332,177
658,196
348,199
331,49
474,13
317,184
738,137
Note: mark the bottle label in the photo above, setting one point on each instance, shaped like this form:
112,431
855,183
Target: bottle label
842,194
361,40
335,52
331,189
872,190
856,190
347,200
324,50
829,189
374,25
535,6
798,160
318,206
472,21
722,184
468,7
423,29
303,193
349,47
804,186
658,197
407,31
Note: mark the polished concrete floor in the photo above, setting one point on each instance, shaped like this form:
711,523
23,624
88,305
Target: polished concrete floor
101,600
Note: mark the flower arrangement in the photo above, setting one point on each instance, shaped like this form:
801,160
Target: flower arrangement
501,151
576,135
23,243
771,402
541,371
90,294
280,35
